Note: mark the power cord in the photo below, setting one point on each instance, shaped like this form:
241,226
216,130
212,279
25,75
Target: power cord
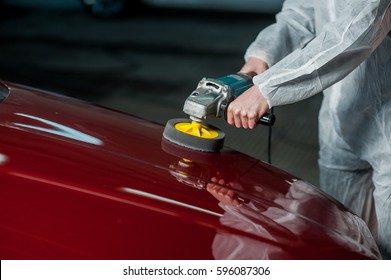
269,142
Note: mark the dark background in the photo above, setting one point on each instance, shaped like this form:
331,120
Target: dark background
146,63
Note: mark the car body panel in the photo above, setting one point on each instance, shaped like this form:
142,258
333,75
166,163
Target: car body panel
79,181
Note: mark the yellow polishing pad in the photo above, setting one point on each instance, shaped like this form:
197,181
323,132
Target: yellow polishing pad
194,135
196,129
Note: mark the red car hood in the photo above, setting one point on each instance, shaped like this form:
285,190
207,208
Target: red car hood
84,182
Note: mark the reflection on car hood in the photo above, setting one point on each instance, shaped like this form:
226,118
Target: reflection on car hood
111,176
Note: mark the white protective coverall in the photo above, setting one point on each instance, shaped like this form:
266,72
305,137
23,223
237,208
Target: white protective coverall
343,49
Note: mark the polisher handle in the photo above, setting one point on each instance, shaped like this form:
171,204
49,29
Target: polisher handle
267,120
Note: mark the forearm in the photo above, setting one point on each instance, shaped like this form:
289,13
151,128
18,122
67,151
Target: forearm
329,57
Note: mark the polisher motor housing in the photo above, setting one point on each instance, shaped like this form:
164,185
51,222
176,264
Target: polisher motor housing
210,99
212,96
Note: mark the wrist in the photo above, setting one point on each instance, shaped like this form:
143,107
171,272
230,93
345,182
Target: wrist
254,65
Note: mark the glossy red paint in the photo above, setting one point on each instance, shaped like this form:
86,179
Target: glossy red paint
79,181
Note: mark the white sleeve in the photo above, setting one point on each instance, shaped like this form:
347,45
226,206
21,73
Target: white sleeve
294,28
330,56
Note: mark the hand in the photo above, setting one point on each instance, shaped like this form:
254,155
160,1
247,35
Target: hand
247,109
222,194
250,106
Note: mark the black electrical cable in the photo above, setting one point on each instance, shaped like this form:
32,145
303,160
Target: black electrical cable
269,142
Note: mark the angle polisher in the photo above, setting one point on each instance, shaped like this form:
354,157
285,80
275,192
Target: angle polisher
210,99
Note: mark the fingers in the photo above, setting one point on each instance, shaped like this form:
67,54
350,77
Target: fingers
216,185
242,118
246,110
221,193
